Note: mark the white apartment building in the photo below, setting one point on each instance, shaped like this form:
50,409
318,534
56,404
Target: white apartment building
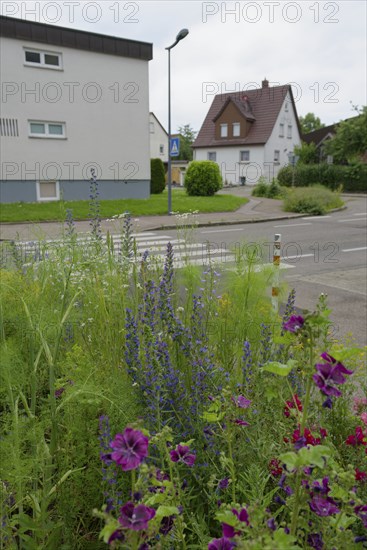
72,101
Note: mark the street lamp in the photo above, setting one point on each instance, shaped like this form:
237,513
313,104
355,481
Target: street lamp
180,36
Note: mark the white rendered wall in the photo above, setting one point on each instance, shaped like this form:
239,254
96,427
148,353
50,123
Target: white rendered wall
284,144
103,100
228,159
157,138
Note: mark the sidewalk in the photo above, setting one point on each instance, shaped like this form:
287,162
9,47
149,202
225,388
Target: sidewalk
256,210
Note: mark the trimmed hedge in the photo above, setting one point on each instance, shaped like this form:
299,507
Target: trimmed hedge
157,176
352,178
203,178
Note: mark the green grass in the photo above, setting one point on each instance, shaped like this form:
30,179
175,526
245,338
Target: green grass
154,206
316,199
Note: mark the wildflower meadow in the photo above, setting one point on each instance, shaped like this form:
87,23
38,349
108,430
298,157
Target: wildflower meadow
144,406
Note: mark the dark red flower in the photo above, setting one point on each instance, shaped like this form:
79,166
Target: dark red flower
360,476
294,403
358,439
275,468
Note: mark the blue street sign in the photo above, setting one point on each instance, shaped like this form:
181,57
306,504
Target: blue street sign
174,147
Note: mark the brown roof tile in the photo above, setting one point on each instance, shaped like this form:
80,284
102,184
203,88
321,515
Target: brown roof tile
261,105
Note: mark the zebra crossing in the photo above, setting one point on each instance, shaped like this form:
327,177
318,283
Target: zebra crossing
149,243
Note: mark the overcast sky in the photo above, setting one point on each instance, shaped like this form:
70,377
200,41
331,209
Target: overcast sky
319,47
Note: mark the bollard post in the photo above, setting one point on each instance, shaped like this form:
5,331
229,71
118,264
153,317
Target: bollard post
276,264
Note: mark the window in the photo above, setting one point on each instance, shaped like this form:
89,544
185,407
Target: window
9,127
244,156
277,156
289,131
212,156
236,129
286,107
151,124
161,149
54,130
224,130
281,130
51,60
48,191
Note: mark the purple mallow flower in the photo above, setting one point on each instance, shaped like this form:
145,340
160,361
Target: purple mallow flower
223,483
130,448
361,512
241,402
221,544
136,518
323,506
294,323
330,374
228,530
315,541
182,454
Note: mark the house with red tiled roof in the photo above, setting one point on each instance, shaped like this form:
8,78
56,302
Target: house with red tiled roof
250,134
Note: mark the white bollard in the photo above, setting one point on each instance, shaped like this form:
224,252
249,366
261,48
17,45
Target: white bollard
276,264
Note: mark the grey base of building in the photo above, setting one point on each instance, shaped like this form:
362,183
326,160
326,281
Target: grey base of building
78,190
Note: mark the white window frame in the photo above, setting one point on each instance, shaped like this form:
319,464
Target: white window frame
47,134
281,129
248,155
289,131
161,149
286,107
236,125
214,154
151,127
47,199
224,130
276,156
42,64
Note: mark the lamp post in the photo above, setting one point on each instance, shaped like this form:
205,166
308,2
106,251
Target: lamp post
180,36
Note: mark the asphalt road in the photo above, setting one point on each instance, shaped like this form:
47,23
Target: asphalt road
324,254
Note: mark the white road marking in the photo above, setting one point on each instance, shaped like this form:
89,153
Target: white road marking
222,230
294,257
352,220
361,214
354,249
316,217
293,225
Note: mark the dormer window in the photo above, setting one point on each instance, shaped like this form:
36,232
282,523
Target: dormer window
236,128
224,130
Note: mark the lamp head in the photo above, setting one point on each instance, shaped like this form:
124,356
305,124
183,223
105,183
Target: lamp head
182,34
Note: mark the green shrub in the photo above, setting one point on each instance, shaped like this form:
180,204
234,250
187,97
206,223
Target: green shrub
157,176
264,189
352,178
315,200
203,178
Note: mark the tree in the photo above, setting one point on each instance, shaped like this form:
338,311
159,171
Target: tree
157,176
309,123
350,140
307,153
203,178
187,138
